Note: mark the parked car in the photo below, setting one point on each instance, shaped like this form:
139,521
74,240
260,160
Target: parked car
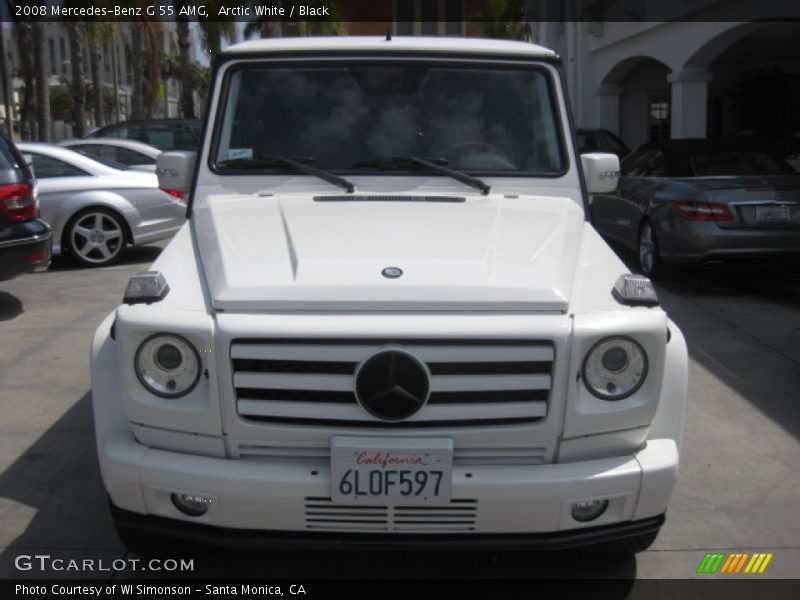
132,154
702,202
601,140
96,210
164,134
349,344
24,238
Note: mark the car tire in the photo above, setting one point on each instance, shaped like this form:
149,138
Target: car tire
648,253
95,237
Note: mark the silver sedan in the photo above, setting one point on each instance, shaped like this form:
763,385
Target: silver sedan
96,210
133,154
698,202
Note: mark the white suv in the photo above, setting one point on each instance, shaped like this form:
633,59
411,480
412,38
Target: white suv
388,321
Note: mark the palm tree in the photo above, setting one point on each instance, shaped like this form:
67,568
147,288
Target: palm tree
23,38
42,87
212,32
98,33
75,36
187,89
504,19
144,57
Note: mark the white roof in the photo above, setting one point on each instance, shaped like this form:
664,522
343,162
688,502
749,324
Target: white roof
435,45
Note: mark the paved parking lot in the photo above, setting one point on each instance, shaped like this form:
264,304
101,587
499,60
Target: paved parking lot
739,487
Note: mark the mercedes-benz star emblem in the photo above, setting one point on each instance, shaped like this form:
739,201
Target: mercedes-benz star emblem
392,385
392,272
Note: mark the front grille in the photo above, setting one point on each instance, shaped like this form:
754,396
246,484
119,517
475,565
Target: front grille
323,514
312,381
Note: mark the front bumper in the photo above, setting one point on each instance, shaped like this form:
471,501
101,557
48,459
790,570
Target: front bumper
701,242
271,496
280,540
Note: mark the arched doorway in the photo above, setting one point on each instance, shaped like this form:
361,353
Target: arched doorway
635,100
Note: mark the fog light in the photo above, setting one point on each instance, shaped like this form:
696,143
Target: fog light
191,504
588,510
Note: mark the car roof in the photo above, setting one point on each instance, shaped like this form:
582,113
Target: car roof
700,144
70,156
150,121
424,45
141,147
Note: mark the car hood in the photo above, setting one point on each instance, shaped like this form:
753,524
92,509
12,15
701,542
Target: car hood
295,252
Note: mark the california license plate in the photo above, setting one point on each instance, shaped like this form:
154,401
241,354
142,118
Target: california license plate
391,471
778,213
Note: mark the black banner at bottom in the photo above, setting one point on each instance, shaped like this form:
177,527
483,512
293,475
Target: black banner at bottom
408,589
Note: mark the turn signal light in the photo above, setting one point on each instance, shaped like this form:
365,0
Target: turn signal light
694,210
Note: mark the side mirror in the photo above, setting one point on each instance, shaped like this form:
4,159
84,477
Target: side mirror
601,172
175,171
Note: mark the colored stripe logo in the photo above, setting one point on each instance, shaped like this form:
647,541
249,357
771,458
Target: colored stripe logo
735,562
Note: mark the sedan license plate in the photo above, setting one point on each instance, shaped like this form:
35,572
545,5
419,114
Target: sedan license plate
391,471
778,213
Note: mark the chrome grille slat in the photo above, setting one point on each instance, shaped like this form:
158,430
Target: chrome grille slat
353,412
358,352
473,381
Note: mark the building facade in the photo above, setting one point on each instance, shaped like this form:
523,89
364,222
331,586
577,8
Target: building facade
114,60
654,70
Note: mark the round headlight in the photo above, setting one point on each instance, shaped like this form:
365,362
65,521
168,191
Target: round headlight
167,365
614,368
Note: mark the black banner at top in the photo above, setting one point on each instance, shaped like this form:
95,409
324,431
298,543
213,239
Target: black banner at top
401,11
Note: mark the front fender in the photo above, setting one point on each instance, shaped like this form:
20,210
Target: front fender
668,421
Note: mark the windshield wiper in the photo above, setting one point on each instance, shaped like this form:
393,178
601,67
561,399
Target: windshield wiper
298,163
435,164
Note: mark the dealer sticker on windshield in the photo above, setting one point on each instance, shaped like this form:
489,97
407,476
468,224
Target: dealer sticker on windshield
391,471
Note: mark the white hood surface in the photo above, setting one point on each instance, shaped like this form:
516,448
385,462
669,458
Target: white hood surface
293,252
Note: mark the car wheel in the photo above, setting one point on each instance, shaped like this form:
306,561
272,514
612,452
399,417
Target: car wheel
648,252
95,237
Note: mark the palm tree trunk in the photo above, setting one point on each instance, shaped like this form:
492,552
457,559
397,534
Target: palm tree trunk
115,78
97,87
6,96
187,85
42,85
137,65
75,35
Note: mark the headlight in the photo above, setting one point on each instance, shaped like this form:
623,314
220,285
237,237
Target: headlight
167,365
614,368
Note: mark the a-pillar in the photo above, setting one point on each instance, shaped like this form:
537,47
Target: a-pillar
689,103
608,107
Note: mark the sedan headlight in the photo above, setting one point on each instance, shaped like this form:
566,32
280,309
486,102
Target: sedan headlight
167,365
614,368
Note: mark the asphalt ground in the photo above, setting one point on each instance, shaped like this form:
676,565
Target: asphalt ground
738,490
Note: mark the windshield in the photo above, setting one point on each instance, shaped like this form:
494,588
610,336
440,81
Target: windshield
357,118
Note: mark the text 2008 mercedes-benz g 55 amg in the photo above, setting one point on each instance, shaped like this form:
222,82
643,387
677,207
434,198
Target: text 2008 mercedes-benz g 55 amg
388,320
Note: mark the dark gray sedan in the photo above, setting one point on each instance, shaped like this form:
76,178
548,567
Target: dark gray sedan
703,203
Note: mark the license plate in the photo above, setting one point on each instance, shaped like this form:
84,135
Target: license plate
391,471
773,214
